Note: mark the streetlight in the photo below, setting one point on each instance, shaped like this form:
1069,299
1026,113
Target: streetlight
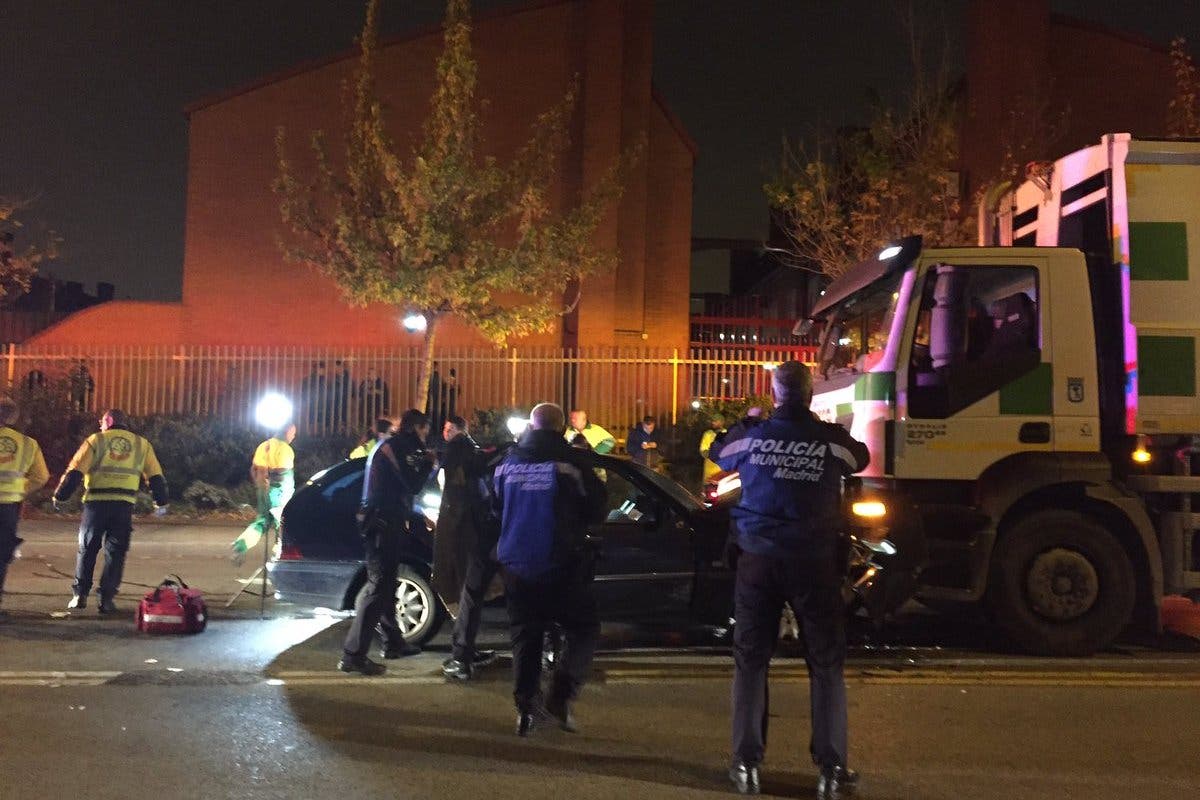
516,425
273,411
415,323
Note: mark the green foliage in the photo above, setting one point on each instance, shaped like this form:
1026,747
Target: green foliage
686,465
206,497
20,253
892,179
444,230
48,414
192,450
489,426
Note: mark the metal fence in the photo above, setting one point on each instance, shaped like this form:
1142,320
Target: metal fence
344,390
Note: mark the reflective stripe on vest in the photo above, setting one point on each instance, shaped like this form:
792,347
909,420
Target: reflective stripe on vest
16,457
118,460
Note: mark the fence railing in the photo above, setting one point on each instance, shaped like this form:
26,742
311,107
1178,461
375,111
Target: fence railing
344,390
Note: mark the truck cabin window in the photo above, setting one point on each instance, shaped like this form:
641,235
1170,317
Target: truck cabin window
855,333
977,330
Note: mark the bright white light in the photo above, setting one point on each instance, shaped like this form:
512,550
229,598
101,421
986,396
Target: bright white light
845,340
432,499
273,411
770,366
414,323
722,337
696,404
890,252
517,425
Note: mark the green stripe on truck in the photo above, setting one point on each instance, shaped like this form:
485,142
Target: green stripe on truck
1030,394
1158,251
1166,366
876,386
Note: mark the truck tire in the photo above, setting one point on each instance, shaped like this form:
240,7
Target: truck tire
1061,584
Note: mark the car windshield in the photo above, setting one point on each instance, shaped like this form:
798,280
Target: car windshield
855,332
667,486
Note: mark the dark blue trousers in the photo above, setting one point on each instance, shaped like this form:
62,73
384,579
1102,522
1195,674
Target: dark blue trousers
10,514
812,586
107,524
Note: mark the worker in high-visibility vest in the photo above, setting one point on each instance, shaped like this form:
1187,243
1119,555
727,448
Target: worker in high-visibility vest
600,440
22,470
383,429
111,465
714,435
273,471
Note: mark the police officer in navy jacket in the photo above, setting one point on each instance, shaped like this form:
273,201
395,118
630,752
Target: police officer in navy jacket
787,528
546,495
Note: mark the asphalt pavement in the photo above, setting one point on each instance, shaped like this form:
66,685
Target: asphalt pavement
253,708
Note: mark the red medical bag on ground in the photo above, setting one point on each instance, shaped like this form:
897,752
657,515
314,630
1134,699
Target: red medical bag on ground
172,608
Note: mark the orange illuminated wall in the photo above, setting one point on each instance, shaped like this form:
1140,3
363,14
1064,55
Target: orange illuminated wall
238,290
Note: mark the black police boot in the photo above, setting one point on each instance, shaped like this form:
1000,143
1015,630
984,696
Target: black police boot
483,658
77,601
457,670
561,711
361,664
402,650
836,782
744,777
107,606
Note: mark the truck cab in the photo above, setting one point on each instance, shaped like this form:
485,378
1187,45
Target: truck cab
972,374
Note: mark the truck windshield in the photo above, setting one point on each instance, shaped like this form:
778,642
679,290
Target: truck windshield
855,332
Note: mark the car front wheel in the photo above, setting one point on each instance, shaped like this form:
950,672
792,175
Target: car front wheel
418,610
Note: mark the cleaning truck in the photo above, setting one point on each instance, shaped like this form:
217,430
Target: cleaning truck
1031,403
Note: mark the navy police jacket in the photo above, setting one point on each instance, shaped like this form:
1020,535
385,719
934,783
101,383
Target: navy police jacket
791,467
545,496
396,472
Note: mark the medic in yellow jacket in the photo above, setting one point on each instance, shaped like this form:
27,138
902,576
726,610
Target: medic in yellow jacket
111,465
22,470
273,472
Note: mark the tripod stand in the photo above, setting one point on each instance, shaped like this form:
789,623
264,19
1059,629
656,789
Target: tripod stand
260,574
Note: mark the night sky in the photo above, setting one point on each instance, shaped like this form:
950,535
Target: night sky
93,93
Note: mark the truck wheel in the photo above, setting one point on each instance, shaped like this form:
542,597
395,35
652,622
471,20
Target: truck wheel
1061,584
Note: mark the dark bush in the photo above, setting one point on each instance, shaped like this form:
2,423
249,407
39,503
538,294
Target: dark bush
206,497
686,466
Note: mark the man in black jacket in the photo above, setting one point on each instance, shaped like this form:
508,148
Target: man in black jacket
463,568
396,472
546,494
787,526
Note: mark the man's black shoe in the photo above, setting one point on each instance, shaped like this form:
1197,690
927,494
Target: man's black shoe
402,650
561,711
107,606
744,777
363,665
483,658
457,670
526,722
836,782
77,601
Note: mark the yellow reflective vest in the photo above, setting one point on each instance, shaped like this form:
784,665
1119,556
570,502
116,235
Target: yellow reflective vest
22,466
277,457
113,463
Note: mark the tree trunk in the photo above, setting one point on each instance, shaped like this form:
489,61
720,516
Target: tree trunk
421,392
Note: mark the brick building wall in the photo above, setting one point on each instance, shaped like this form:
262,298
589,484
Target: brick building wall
237,288
1107,81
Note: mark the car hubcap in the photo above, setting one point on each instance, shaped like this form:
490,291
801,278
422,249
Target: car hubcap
412,607
1062,584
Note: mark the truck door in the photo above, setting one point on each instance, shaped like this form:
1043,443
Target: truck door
977,372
